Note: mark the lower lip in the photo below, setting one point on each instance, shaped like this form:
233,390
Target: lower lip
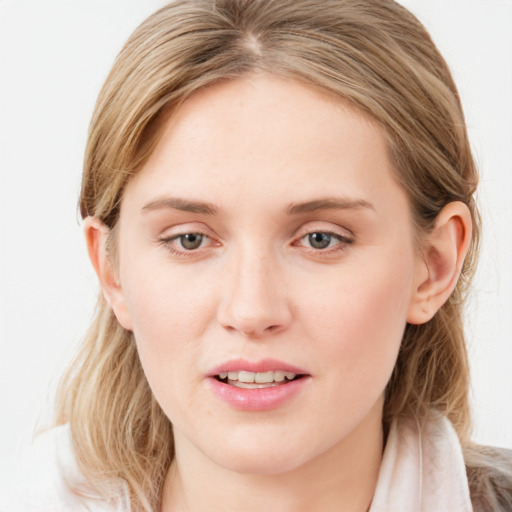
259,399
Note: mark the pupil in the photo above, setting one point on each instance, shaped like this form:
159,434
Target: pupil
319,240
191,240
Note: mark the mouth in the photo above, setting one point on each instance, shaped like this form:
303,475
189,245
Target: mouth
261,385
257,380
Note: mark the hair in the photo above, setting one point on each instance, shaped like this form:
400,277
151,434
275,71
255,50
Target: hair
373,55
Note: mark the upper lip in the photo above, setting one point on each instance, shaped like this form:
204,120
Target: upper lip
263,365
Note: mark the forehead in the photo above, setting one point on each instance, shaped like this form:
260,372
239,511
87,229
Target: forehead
266,136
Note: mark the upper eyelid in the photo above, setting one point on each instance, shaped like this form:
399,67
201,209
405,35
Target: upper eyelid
184,229
174,236
339,231
327,232
174,232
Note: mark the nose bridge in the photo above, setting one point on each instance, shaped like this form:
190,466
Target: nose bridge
254,299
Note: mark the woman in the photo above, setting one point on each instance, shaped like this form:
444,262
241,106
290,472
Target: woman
278,202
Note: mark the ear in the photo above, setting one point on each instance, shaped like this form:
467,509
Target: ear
96,236
446,248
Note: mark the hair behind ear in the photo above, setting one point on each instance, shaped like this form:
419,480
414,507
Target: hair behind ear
432,369
105,386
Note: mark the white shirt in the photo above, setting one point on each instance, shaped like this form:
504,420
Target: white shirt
422,471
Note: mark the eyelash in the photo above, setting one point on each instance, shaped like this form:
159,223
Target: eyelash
343,241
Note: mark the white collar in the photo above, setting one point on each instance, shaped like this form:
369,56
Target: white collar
422,469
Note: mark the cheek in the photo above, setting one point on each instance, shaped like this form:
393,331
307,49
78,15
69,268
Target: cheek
165,304
358,324
169,313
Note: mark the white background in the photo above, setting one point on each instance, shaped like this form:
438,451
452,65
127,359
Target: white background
54,56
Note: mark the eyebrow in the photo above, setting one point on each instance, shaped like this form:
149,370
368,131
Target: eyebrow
183,205
333,203
205,208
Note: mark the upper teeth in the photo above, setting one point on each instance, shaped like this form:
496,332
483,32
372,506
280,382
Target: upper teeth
258,377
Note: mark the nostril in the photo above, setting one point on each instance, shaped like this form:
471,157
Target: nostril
254,333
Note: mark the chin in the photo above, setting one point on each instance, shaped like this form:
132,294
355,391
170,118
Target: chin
263,456
259,464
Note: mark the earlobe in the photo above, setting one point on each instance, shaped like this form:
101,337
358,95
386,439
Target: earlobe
96,236
445,251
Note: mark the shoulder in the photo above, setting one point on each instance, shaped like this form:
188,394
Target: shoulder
47,476
489,473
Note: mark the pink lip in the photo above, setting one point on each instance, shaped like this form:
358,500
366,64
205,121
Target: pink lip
264,365
259,399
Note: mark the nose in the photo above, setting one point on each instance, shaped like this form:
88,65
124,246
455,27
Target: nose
254,298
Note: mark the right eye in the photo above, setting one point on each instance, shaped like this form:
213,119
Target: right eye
191,241
184,243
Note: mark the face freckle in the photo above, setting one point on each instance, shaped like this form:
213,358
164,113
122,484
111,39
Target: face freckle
306,260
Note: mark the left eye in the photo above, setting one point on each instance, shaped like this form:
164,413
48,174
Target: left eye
323,240
319,240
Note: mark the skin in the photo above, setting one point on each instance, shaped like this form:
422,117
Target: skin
256,288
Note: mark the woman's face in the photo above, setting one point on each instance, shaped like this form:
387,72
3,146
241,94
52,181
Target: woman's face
267,235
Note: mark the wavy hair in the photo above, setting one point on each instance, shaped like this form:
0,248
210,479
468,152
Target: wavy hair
372,54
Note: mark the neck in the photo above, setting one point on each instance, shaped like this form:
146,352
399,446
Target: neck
342,478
